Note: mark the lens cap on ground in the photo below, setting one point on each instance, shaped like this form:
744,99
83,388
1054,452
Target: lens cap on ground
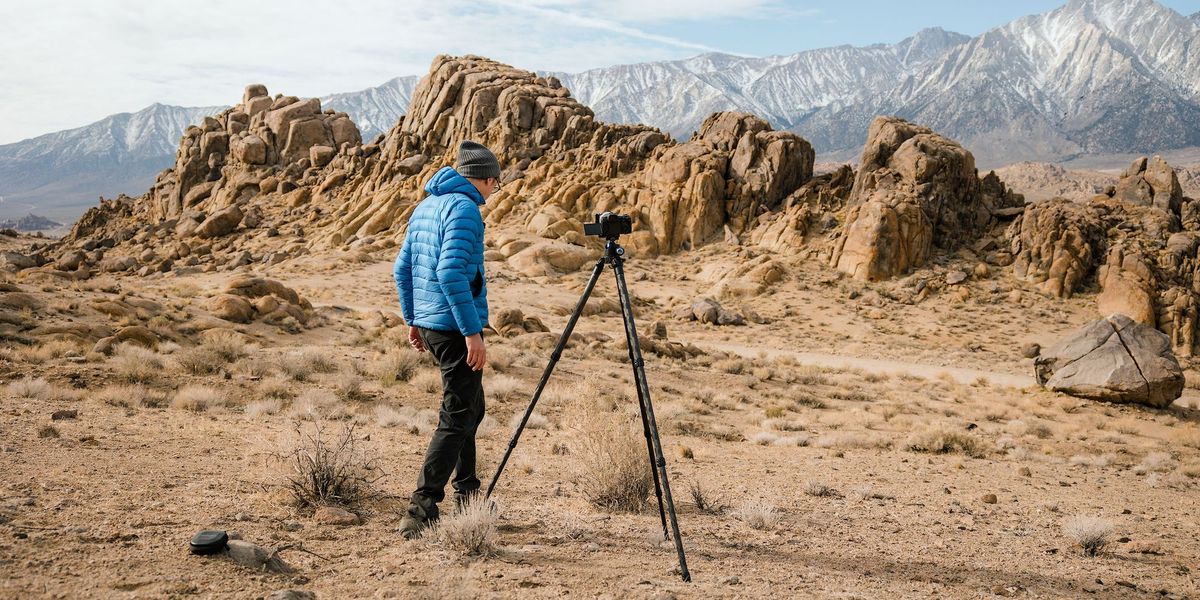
209,542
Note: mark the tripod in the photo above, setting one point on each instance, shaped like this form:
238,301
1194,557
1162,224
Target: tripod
613,256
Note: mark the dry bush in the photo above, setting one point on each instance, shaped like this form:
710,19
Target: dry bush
428,381
792,440
324,468
255,367
705,502
499,359
1156,462
228,344
470,531
866,492
615,470
406,417
50,350
486,427
819,489
1095,460
261,408
758,514
135,364
38,389
536,420
301,366
940,439
199,360
276,387
397,366
847,440
348,387
732,366
197,398
131,396
1092,534
764,438
503,387
313,404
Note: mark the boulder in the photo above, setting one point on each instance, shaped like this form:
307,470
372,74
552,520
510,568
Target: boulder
231,308
550,259
915,190
250,149
15,261
1114,359
1150,182
220,223
1056,244
509,322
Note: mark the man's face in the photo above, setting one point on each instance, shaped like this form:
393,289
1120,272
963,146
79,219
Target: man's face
489,187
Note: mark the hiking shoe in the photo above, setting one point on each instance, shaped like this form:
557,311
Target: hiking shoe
412,527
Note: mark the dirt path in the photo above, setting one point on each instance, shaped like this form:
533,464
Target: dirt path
875,365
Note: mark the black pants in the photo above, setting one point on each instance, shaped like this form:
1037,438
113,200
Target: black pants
453,445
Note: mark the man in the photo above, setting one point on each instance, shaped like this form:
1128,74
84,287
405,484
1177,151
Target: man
443,294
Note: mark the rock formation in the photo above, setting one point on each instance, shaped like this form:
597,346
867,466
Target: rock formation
1114,359
914,190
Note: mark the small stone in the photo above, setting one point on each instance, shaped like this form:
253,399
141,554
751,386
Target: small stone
62,415
1144,547
47,432
292,595
956,277
1032,350
989,499
1024,472
733,580
332,515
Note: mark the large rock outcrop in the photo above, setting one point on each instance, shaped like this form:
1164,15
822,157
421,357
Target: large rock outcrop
1114,359
914,190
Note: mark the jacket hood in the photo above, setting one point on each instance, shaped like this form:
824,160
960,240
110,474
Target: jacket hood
448,181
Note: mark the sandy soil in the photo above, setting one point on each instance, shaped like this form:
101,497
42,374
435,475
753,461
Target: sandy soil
811,418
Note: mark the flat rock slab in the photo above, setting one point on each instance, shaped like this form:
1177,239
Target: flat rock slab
1114,359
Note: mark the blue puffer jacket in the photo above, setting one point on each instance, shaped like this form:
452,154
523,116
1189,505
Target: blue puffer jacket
439,272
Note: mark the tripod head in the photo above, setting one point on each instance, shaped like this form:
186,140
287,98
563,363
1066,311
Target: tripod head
609,225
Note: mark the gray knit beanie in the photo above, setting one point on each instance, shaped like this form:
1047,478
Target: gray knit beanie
476,161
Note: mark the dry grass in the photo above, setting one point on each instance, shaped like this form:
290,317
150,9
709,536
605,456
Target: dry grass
406,418
469,532
705,502
38,389
348,387
135,364
314,404
278,388
536,420
614,469
197,398
941,439
262,408
1092,534
503,387
199,360
302,365
819,489
328,469
229,345
131,396
428,381
758,514
1156,462
396,366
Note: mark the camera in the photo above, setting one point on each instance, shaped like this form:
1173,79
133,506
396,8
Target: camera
609,225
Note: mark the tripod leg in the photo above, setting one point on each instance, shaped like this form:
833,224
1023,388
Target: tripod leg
639,375
537,393
662,514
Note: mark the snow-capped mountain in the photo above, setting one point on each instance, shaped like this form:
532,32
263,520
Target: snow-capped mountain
1091,77
375,110
677,96
57,173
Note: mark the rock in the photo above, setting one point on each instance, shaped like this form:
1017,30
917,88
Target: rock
62,415
15,261
707,310
222,222
292,595
550,259
1031,350
255,557
321,155
70,260
511,321
332,515
1055,245
134,334
231,308
915,189
1150,182
257,287
1114,359
956,277
989,499
981,271
19,301
250,149
412,165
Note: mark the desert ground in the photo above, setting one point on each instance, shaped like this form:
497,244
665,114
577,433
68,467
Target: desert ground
840,444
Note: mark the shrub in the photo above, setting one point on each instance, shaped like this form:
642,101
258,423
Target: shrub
943,440
199,360
197,398
131,396
819,489
615,470
704,501
469,531
758,514
36,389
397,366
135,364
1089,533
428,381
326,469
228,345
260,408
301,366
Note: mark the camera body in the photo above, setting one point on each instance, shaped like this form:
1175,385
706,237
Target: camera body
609,225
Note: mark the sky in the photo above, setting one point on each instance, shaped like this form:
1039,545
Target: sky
67,63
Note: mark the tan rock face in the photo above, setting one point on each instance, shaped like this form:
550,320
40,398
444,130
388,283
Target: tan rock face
1150,182
915,190
1056,245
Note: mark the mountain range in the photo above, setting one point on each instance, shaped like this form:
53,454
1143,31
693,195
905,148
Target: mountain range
1092,77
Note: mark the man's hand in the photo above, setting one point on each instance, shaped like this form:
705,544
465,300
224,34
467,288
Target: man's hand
414,339
476,352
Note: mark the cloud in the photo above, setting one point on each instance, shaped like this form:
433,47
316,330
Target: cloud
70,62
